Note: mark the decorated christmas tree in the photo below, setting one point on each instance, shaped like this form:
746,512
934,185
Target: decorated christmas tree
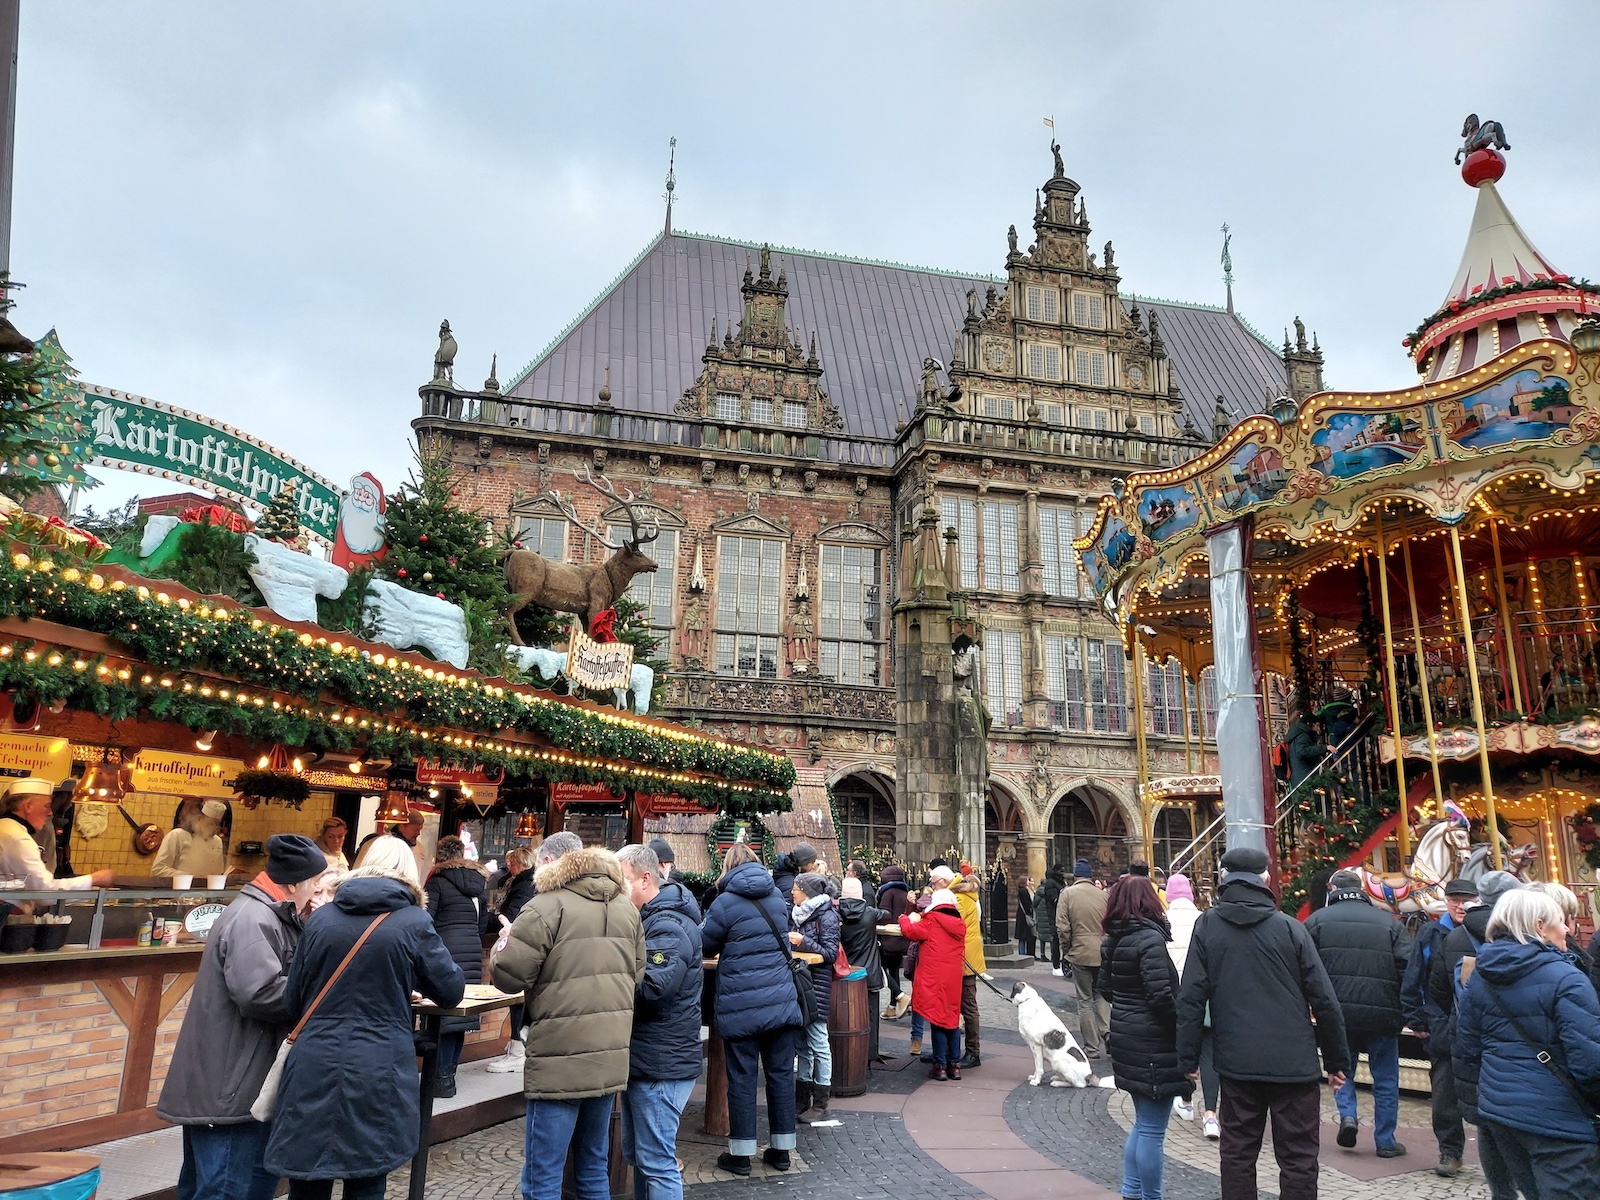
438,547
281,521
42,438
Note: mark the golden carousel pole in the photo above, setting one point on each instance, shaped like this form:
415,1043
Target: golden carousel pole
1477,697
1141,679
1183,696
1394,698
1513,657
1422,674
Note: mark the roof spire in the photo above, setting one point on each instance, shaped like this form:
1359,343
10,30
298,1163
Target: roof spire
1227,264
672,179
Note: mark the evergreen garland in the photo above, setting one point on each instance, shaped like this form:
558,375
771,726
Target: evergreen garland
182,635
1333,825
215,562
1456,307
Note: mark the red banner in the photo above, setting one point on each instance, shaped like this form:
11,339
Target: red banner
654,804
582,793
432,773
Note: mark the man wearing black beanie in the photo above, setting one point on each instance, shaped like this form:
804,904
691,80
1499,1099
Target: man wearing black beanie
247,954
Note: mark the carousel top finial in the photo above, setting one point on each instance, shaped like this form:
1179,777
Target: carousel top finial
1481,146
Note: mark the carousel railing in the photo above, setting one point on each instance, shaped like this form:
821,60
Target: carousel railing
1357,750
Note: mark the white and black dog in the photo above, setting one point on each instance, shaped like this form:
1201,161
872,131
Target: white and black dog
1055,1051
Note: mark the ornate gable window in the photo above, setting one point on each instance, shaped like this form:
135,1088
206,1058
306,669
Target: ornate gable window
540,526
1088,310
794,414
1043,304
749,611
1002,676
851,625
726,407
1044,360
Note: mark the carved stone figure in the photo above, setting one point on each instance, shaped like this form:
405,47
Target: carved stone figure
693,641
1011,239
1055,150
708,470
581,588
1299,334
972,302
1111,258
444,358
801,630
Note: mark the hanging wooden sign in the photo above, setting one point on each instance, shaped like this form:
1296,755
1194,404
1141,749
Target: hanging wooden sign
598,666
170,774
23,756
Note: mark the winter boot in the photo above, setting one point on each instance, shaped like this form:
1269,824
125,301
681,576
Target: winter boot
444,1086
512,1060
954,1070
778,1160
916,1047
819,1103
734,1164
802,1097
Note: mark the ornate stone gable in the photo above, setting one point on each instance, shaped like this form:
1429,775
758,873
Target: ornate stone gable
776,381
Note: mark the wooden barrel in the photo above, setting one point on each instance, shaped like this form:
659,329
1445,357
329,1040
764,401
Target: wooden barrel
847,1034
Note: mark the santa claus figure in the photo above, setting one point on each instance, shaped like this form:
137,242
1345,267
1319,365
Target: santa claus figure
358,541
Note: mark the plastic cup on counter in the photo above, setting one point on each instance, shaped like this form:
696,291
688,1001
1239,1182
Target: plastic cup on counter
182,883
216,882
169,935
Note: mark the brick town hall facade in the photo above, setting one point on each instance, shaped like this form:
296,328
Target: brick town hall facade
790,421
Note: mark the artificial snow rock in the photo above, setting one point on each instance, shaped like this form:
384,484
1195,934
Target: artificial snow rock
291,581
155,532
404,619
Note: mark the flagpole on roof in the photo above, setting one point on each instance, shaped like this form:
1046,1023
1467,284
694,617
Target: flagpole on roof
672,180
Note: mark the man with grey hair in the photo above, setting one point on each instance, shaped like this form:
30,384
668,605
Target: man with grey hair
664,1054
1365,951
554,846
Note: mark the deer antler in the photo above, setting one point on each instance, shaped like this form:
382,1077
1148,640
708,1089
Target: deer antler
605,488
568,511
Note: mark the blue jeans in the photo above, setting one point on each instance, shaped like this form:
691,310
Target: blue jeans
919,1025
224,1162
650,1113
552,1127
1383,1060
772,1053
1142,1161
816,1055
946,1046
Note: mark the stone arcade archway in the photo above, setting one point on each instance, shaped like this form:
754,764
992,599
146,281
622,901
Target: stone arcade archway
1089,822
865,802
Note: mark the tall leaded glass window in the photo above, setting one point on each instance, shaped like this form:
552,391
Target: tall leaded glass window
1000,547
749,587
1057,529
1002,661
962,516
654,589
851,625
543,535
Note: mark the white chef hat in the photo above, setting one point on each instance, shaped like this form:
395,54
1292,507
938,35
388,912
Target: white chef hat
215,809
31,787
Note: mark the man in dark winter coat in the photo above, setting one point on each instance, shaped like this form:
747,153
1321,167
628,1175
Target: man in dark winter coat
1428,1021
894,897
1302,740
238,1014
1255,973
669,872
1044,916
664,1057
858,941
786,868
1365,952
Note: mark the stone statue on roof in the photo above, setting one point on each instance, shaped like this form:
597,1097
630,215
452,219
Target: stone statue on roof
1011,239
972,302
444,358
1055,149
1299,334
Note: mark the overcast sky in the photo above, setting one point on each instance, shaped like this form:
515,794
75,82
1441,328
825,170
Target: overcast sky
263,211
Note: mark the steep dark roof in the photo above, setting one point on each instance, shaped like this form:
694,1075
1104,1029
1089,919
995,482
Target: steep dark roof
875,323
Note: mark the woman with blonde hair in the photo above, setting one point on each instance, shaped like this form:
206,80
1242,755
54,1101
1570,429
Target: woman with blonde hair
1530,1023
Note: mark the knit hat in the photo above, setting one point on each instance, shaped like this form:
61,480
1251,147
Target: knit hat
1139,868
850,889
294,858
966,868
663,850
811,883
941,875
1245,858
215,809
1496,884
1461,887
942,896
1178,888
803,853
1082,869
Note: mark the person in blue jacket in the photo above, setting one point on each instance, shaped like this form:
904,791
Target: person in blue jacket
1543,1132
664,1054
347,1106
757,1011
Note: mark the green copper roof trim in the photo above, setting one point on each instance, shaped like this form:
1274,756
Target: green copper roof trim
845,258
1277,351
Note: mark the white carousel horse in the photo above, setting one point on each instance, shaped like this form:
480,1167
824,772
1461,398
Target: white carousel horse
1440,852
1516,860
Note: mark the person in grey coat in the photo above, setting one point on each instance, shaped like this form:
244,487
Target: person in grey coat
237,1016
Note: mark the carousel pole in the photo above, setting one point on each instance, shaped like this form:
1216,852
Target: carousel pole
1422,674
1477,697
1183,695
1394,698
1141,679
1513,657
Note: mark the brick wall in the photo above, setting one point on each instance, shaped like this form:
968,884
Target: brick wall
61,1051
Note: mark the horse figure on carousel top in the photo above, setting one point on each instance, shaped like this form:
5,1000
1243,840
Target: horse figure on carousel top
1487,135
1441,852
1516,859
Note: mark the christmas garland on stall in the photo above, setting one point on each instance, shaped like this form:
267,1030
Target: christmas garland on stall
1331,838
1586,832
178,635
1456,307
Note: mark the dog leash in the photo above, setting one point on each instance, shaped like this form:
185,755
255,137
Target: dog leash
985,982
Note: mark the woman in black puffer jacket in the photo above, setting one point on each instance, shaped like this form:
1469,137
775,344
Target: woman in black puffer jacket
455,893
1138,978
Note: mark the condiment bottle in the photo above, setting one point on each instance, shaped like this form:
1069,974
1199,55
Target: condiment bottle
146,927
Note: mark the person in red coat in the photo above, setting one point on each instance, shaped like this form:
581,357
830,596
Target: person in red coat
937,995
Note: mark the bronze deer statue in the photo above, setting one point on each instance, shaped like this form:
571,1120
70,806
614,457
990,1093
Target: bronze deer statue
582,588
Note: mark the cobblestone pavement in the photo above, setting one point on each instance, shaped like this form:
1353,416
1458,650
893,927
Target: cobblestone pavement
990,1135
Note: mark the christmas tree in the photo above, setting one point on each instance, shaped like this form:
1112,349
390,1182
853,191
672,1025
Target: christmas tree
281,521
42,438
438,547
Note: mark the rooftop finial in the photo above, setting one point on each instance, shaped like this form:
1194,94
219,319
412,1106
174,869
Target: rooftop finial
1480,144
672,179
1227,263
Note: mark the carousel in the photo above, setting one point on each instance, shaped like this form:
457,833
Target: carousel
1417,572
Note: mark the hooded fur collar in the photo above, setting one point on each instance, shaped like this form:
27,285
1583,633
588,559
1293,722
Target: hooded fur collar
811,908
573,865
964,883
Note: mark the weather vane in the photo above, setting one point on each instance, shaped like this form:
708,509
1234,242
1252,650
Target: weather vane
1227,263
